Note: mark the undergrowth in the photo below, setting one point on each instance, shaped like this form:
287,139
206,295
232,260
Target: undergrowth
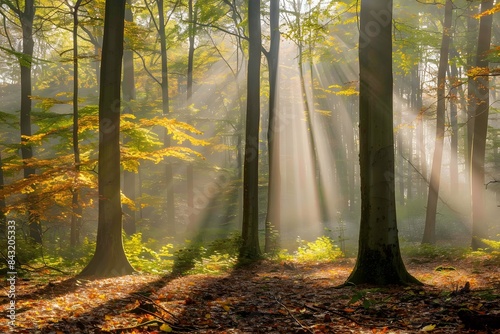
218,256
323,249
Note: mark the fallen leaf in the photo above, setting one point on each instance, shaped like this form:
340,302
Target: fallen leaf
166,328
428,328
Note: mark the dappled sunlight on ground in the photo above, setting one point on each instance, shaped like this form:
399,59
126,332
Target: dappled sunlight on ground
265,298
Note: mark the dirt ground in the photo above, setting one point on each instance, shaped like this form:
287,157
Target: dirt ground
460,296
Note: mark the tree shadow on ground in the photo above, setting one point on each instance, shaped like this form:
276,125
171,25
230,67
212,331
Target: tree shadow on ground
90,320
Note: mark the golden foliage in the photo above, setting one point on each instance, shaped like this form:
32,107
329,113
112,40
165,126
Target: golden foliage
492,11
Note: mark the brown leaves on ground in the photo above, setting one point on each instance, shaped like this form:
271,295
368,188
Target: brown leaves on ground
264,298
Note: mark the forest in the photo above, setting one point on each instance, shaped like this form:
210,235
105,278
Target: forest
247,166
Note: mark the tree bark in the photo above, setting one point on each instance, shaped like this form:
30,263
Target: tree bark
481,114
27,17
379,260
435,178
109,258
128,91
454,130
274,183
250,249
77,209
472,38
192,18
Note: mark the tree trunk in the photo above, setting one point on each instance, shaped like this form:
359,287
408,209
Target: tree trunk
27,18
128,90
250,249
472,38
454,130
482,98
109,258
76,207
435,178
274,183
169,176
379,259
192,18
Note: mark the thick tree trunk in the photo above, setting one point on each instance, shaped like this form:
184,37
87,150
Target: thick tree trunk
274,183
482,98
435,178
109,258
128,90
250,250
379,259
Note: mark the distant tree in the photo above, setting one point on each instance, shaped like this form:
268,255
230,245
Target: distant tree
170,205
109,258
482,100
379,259
435,177
75,202
250,250
192,20
471,45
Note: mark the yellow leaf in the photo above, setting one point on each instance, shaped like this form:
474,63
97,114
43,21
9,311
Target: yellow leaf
207,316
165,328
107,317
428,328
226,308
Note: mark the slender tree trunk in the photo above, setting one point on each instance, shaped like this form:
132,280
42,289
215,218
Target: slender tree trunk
454,130
420,137
274,185
77,209
435,178
472,38
192,18
169,176
109,258
128,91
27,18
250,250
482,98
379,259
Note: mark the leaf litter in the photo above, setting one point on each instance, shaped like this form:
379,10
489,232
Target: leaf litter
458,297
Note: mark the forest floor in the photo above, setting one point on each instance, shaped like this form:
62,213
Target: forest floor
268,297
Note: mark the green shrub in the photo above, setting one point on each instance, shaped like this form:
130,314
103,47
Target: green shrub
143,258
433,251
219,256
321,250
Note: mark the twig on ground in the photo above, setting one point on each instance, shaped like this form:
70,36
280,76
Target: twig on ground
291,315
157,305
